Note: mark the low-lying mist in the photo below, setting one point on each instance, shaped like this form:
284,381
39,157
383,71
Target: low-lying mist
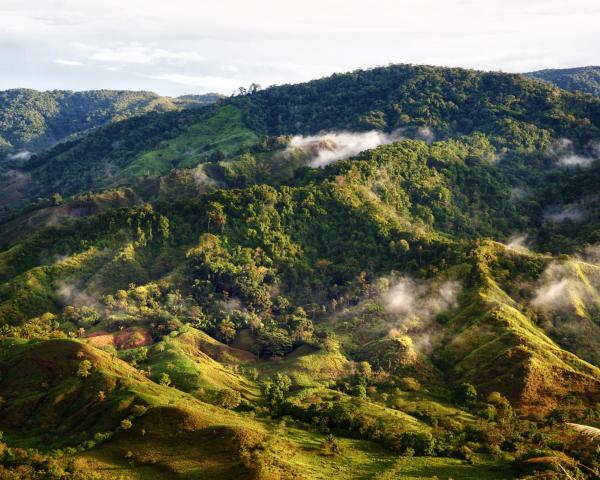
327,148
414,306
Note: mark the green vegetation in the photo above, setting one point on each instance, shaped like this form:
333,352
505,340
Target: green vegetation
580,79
32,120
184,296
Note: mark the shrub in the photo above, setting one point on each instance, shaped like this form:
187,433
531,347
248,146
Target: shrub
230,398
359,391
331,446
421,442
410,384
465,393
164,379
138,410
84,369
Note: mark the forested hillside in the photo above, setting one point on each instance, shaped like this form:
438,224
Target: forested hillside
31,120
390,273
580,79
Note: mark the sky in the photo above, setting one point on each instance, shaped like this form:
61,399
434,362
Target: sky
178,47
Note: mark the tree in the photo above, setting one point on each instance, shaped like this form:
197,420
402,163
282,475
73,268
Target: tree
57,199
421,442
466,393
227,330
253,88
275,388
302,328
274,342
364,372
331,446
359,391
84,369
164,379
410,384
216,215
230,398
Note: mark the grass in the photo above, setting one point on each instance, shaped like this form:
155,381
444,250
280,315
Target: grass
194,371
224,132
426,468
308,367
427,402
359,459
181,437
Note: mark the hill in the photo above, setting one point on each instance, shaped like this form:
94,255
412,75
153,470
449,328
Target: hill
389,273
580,79
32,121
438,103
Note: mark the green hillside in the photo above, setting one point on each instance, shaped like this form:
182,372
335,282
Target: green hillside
389,273
31,120
579,79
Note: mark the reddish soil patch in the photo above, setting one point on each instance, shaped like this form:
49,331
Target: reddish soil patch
130,338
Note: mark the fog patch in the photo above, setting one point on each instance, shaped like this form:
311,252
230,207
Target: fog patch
595,148
591,254
425,133
559,214
518,193
21,156
518,242
72,294
202,179
414,306
231,304
566,157
326,148
573,160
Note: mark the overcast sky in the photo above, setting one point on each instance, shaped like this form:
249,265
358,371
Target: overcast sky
194,46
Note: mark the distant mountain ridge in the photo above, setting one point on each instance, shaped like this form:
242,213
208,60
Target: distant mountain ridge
36,120
582,79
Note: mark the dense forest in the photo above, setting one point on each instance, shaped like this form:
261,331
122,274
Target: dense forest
579,79
32,120
388,273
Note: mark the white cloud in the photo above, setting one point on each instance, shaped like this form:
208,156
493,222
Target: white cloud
68,63
22,155
271,41
519,242
218,84
575,161
139,54
326,148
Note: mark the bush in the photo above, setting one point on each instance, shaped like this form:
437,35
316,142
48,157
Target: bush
422,443
331,446
229,399
359,391
84,369
164,379
410,384
465,393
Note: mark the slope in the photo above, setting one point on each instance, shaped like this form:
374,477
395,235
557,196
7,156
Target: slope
579,79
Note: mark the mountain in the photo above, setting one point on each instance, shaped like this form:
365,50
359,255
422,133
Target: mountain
580,79
31,120
390,273
448,102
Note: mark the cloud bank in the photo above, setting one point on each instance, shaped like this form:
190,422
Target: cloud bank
326,148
